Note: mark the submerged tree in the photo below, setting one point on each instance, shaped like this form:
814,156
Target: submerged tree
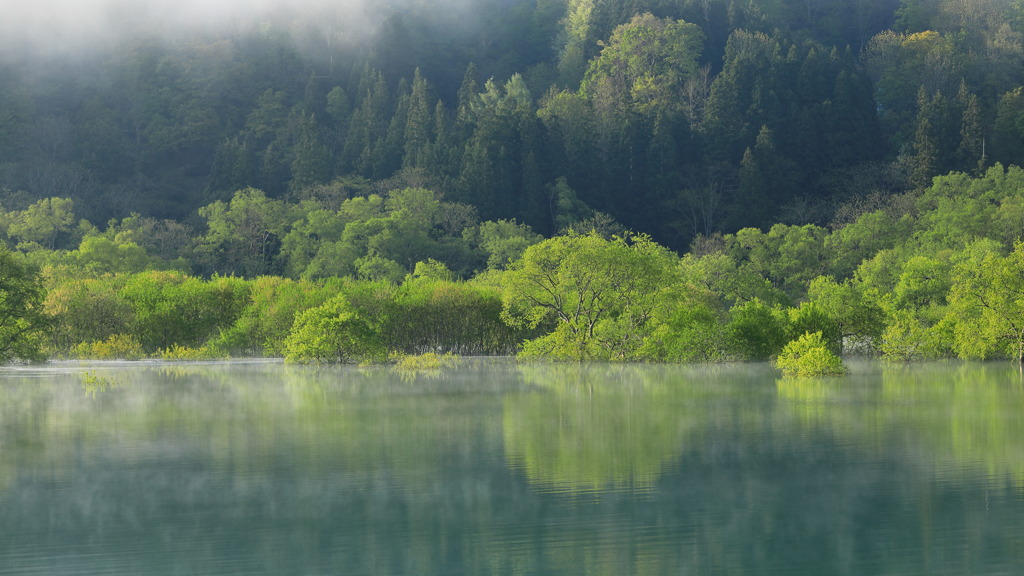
333,332
987,302
599,296
809,355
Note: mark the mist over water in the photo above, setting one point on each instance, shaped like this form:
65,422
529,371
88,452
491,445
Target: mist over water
496,467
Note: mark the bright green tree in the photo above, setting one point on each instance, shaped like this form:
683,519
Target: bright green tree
333,332
645,64
693,332
758,331
274,302
504,241
87,310
597,296
172,309
43,221
809,355
987,301
854,309
243,235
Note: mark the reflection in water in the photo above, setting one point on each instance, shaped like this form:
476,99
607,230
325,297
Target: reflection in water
590,428
962,419
494,468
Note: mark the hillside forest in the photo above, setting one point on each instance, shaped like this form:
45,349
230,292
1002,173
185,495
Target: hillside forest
668,180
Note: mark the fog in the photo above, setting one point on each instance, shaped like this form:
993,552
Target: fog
60,28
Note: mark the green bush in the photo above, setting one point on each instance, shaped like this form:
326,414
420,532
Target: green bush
333,332
426,315
171,308
757,331
274,302
185,353
692,333
115,347
87,311
427,361
809,355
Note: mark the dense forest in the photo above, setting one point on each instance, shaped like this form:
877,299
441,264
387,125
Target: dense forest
673,117
789,148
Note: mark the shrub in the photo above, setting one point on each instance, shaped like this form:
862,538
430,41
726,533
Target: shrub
173,308
179,352
333,332
115,347
428,315
758,331
693,333
809,355
87,311
274,302
428,361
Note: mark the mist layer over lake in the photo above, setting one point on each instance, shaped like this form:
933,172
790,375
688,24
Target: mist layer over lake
499,468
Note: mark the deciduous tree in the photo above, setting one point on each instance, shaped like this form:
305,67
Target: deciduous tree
598,296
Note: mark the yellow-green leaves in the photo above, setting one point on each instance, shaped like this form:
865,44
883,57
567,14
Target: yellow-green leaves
645,64
809,355
598,295
987,301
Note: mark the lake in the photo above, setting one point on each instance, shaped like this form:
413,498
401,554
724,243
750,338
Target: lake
497,468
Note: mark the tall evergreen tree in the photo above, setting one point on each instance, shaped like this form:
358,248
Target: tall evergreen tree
418,120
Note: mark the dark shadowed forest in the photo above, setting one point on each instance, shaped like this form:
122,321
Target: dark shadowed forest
671,117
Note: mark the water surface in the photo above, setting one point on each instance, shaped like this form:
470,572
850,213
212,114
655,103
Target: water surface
498,468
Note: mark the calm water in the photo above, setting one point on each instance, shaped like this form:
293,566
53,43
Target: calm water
493,468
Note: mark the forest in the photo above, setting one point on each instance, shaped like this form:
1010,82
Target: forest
655,180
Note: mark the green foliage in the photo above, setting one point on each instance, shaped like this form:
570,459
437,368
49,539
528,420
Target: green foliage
43,221
644,64
1009,127
787,256
261,329
809,355
115,347
185,353
669,92
243,235
103,255
854,309
566,207
170,308
376,268
425,361
428,314
598,295
757,330
434,270
923,283
689,117
812,318
93,384
380,237
909,337
721,275
504,241
87,310
692,333
987,302
871,233
333,332
23,319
